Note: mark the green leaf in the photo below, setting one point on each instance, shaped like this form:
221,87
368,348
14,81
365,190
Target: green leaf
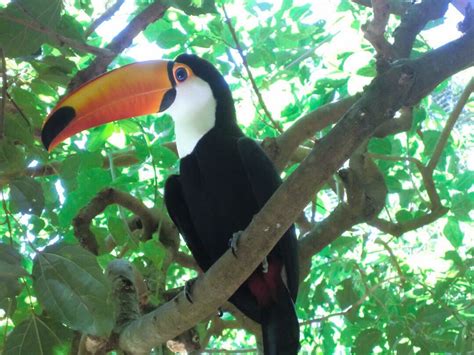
464,181
403,216
99,136
118,230
462,204
195,7
430,138
26,196
36,336
366,341
163,157
170,38
419,115
453,232
16,39
380,146
66,275
346,296
12,158
10,270
368,70
90,182
154,251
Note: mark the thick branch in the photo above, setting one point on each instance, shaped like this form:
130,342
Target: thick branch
396,7
384,96
122,41
281,149
99,203
366,193
413,22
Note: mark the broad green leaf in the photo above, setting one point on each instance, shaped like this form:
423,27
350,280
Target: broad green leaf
462,204
368,70
10,270
430,138
403,216
163,157
66,275
154,251
195,7
453,232
89,183
366,341
16,39
26,196
37,336
98,137
118,230
170,38
12,158
380,146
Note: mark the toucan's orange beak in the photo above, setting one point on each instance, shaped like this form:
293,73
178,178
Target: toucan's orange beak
133,90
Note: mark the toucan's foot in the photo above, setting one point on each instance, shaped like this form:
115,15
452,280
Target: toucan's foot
265,265
233,242
220,312
187,290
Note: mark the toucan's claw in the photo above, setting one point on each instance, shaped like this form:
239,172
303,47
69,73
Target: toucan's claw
265,265
233,242
220,312
188,290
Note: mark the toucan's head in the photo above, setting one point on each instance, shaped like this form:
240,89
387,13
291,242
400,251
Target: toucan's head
189,88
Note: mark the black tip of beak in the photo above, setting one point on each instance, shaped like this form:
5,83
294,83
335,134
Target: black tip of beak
168,99
56,123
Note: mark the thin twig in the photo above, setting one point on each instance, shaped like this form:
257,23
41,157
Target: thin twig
4,93
249,73
453,117
351,307
107,15
394,260
18,109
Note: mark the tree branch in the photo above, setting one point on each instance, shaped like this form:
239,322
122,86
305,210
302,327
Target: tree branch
123,40
396,7
412,23
382,97
107,15
374,31
4,93
453,117
282,148
99,203
366,193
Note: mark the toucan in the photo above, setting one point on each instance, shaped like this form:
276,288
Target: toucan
225,178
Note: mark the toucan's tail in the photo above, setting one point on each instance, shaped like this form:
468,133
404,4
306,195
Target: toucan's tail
280,326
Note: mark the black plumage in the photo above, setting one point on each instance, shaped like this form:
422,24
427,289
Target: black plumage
222,184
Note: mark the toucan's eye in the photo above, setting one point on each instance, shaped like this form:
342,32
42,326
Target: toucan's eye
181,74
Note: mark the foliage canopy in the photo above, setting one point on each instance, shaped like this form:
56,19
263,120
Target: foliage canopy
401,281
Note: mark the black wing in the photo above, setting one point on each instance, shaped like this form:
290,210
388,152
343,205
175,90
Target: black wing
179,213
265,180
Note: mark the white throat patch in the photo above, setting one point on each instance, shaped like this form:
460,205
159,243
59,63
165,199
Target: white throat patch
193,113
